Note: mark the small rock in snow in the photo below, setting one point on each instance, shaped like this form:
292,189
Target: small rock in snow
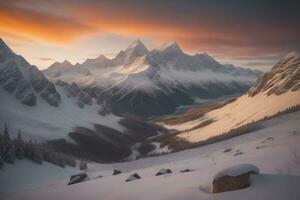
133,177
227,150
186,170
163,171
117,171
77,178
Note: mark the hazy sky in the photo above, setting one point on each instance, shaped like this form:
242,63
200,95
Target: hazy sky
248,33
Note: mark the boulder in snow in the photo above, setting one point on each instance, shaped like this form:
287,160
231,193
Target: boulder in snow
117,171
234,178
77,178
186,170
163,171
133,177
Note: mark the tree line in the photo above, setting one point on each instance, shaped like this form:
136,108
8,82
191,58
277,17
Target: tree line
19,149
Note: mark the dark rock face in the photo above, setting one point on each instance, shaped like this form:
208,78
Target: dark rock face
117,171
229,183
133,177
50,95
163,171
77,178
23,80
73,91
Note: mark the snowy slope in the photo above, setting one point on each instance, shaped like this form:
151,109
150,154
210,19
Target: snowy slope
47,122
25,174
271,94
274,149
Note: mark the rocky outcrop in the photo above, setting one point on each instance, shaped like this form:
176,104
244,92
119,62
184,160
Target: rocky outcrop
74,91
283,77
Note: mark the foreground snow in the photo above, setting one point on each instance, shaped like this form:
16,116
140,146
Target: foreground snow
274,149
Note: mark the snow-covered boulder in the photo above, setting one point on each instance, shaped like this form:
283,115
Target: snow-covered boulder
117,171
133,177
163,171
234,178
77,178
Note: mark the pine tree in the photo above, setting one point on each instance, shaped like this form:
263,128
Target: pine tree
8,147
37,155
83,165
69,161
1,162
19,146
1,145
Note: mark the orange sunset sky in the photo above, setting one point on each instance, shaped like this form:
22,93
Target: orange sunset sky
253,34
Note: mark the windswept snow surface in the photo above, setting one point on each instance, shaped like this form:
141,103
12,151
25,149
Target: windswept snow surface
25,174
240,112
274,149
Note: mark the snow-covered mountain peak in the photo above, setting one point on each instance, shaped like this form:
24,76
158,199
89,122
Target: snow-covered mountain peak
96,63
138,48
137,44
61,65
24,81
101,57
135,50
66,62
5,51
170,47
3,45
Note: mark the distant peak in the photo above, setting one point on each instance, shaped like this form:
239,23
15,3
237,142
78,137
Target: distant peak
170,46
137,44
66,62
101,57
205,55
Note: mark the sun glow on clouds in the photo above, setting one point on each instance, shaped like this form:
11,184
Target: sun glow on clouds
53,29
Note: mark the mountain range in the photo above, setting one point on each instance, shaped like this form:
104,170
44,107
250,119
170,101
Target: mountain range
146,83
62,114
85,109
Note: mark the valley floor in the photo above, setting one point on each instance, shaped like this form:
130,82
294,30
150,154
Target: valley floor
274,149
